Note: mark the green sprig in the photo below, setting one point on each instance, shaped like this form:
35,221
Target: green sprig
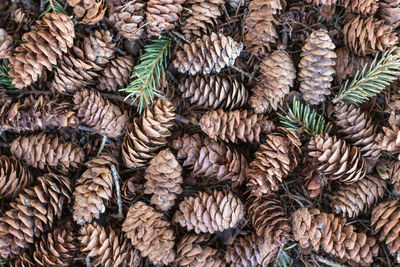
55,7
5,78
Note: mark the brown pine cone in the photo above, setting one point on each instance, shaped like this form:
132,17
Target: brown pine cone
365,8
42,53
389,140
351,200
389,11
32,213
192,250
23,260
14,178
149,233
358,129
161,15
88,11
148,133
93,189
127,19
277,76
116,75
368,36
273,161
98,113
207,55
42,151
6,44
107,246
209,213
347,64
390,169
98,48
232,126
163,180
316,229
214,92
317,67
327,7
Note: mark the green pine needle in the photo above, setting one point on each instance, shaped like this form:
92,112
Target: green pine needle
371,81
283,259
53,6
302,117
5,78
149,74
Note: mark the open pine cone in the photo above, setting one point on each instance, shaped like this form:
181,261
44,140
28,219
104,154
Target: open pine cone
14,178
88,11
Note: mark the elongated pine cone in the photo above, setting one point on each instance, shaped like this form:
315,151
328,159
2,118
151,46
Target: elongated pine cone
107,246
93,189
32,213
13,177
277,76
214,92
211,159
149,233
36,53
97,112
317,67
116,75
347,64
389,140
148,133
209,213
41,151
6,44
389,11
127,19
207,55
163,180
88,11
368,36
273,161
232,126
315,229
161,15
353,199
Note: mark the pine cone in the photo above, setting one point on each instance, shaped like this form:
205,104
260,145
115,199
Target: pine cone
191,251
277,76
33,213
390,169
232,126
127,19
41,151
35,52
88,11
214,92
6,44
116,75
107,246
208,213
347,64
149,234
98,48
207,55
23,260
313,228
327,7
273,161
161,15
389,140
211,159
351,200
164,179
148,134
93,189
389,11
368,36
98,113
13,177
365,8
316,67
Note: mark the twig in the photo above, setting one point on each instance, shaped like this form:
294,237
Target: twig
182,119
41,6
117,187
30,92
103,143
248,75
119,98
87,261
52,6
328,262
180,36
87,129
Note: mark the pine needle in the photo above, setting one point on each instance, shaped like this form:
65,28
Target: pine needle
54,7
301,117
371,80
5,78
148,76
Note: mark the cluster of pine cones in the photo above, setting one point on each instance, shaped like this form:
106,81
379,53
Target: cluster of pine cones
206,175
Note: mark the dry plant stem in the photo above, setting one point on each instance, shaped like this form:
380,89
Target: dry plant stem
248,75
52,6
118,189
90,130
103,143
328,262
180,36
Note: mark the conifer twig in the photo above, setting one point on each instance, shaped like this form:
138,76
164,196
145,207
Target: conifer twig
118,190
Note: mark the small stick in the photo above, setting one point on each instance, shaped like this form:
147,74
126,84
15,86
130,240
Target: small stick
103,143
52,6
328,262
182,119
248,75
90,130
117,187
180,36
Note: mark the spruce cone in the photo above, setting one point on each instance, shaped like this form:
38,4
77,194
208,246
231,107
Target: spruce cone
365,8
209,213
277,76
36,53
127,19
347,64
316,67
389,11
351,200
207,55
232,126
273,161
107,246
40,151
98,48
116,75
368,36
164,178
88,11
6,44
149,234
161,15
313,228
93,189
214,92
98,113
13,177
390,170
327,7
33,213
389,140
148,134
